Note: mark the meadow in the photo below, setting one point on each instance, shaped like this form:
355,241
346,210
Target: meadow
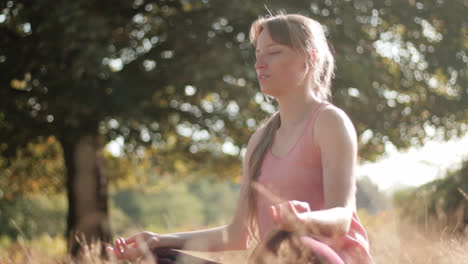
392,240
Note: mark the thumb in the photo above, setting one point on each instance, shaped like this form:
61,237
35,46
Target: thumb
274,213
110,250
292,207
300,207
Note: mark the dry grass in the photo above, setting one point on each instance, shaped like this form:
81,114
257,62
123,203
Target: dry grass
282,248
392,241
401,242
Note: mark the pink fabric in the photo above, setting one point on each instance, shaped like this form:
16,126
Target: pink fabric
322,250
298,176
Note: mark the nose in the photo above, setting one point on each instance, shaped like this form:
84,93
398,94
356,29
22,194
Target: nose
259,63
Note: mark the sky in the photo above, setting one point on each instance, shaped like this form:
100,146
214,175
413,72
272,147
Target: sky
415,166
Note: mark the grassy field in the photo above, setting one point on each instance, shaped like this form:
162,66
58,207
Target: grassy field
392,241
395,241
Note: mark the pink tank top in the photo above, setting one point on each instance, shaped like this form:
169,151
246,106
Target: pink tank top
298,176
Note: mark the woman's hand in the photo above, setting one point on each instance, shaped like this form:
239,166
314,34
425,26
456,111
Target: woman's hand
288,216
135,246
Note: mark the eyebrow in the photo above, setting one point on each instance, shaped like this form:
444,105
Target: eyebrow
271,44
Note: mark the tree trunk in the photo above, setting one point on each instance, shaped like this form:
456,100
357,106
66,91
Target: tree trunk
88,219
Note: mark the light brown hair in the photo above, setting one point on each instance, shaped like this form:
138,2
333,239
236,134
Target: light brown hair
304,35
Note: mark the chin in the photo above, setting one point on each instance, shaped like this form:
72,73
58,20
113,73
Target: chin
268,91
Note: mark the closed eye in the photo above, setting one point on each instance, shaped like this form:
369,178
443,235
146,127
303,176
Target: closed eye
269,53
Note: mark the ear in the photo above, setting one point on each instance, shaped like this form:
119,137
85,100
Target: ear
311,58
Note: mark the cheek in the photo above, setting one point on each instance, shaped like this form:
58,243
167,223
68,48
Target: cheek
286,74
291,72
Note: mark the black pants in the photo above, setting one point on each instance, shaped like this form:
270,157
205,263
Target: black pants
169,256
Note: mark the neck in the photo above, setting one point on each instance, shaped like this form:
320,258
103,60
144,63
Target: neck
296,107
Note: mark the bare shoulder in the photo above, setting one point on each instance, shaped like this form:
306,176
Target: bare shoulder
333,115
333,122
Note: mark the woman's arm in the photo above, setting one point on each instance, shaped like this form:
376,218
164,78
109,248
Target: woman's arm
212,239
296,215
336,138
228,237
139,245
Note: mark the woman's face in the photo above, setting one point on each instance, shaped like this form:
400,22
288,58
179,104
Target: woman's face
280,69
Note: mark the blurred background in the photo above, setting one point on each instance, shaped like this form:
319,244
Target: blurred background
118,116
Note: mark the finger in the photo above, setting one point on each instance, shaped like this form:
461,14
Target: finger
283,209
296,214
279,213
117,249
296,219
292,208
131,253
134,245
285,220
121,250
134,238
304,206
111,253
123,246
110,250
124,243
274,214
301,207
152,242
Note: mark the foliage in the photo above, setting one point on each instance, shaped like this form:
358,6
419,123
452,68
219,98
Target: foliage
37,168
369,197
161,211
176,205
223,194
145,170
443,200
33,217
129,68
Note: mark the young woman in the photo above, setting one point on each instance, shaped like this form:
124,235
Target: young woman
298,171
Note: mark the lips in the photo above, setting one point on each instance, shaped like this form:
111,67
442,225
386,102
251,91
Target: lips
262,76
